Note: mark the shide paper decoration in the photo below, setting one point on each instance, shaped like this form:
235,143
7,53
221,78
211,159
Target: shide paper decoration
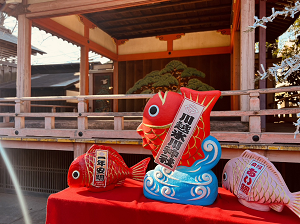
288,11
289,65
297,124
258,184
176,128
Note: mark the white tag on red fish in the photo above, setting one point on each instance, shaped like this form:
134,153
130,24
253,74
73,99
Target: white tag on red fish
100,168
179,134
251,173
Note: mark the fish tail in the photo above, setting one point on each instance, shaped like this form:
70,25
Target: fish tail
294,205
138,170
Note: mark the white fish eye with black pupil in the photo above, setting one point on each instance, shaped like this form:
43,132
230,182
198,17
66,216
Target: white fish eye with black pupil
225,176
153,110
75,174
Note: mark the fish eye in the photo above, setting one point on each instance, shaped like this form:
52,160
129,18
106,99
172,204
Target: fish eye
153,110
224,176
75,174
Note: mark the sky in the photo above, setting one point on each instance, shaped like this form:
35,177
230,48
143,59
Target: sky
57,50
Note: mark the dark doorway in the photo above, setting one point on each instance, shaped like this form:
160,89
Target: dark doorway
102,86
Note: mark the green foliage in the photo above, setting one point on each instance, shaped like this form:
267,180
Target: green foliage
147,91
196,84
166,80
151,78
188,72
171,78
173,65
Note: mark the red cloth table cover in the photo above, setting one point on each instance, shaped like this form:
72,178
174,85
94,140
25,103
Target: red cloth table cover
127,204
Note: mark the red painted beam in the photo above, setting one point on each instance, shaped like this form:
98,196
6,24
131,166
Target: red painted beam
236,20
169,38
173,54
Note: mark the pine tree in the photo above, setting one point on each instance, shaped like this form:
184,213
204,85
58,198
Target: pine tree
171,78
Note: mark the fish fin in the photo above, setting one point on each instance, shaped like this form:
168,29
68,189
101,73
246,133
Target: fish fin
138,170
262,159
254,205
93,148
277,207
206,98
294,205
120,183
112,152
162,96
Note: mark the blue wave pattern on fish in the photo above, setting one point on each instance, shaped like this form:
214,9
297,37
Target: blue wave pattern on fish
196,185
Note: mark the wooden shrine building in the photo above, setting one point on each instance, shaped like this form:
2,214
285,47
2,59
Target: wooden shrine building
8,53
141,36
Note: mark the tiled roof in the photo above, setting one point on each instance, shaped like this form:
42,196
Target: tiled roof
47,80
8,44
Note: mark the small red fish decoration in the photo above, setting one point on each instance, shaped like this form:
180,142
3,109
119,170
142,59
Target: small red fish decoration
160,112
83,168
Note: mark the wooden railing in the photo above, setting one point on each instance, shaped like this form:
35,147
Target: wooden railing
254,135
53,107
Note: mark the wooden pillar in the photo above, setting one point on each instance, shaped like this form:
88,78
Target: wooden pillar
254,121
116,85
49,122
247,52
118,123
19,120
91,92
23,82
82,121
262,61
235,78
84,71
79,149
84,74
84,65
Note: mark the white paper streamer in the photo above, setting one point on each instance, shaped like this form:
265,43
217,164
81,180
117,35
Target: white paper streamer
287,67
297,124
288,11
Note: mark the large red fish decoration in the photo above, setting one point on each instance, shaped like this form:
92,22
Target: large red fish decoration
83,169
159,114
